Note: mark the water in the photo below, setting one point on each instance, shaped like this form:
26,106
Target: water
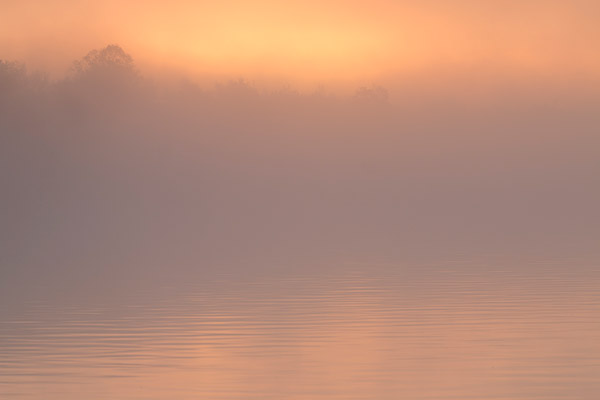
354,332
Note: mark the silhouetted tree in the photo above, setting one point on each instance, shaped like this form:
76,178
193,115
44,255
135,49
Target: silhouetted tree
237,90
375,95
18,88
111,60
12,74
107,78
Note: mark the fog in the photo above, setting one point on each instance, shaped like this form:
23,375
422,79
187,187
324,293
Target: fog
110,177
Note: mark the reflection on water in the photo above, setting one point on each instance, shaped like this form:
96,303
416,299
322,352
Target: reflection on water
365,333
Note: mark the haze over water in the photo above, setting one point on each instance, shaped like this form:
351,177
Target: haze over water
352,332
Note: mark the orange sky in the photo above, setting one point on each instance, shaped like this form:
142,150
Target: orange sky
311,40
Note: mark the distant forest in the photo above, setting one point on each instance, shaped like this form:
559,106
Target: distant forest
107,168
110,73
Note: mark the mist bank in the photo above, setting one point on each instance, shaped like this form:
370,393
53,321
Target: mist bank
109,177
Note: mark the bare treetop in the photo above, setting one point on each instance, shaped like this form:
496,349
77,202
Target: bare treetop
111,59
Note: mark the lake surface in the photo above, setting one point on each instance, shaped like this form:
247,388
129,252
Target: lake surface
447,331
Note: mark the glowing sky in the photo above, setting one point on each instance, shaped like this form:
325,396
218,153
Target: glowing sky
311,39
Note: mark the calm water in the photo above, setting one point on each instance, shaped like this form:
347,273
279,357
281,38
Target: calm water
359,332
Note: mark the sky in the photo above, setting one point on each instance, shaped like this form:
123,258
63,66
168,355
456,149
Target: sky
313,41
